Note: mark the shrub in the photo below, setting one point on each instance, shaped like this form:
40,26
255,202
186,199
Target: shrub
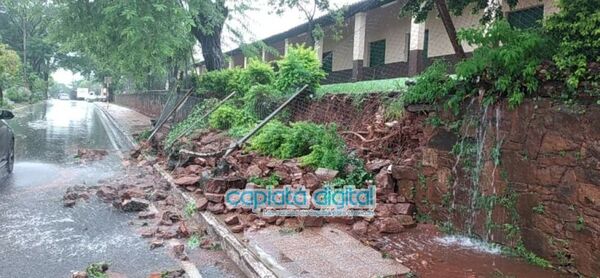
431,86
228,116
270,138
300,138
575,28
299,67
18,94
258,73
220,83
329,152
504,62
261,100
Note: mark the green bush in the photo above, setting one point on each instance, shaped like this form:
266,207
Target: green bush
329,152
258,73
504,62
221,83
18,94
299,67
228,116
575,29
300,138
431,86
261,100
269,139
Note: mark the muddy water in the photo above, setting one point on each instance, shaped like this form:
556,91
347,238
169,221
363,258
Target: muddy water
431,254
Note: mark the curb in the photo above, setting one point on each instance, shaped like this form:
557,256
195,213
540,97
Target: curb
251,264
112,126
122,139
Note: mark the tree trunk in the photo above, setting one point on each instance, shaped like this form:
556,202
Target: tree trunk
46,77
211,48
450,29
1,97
211,41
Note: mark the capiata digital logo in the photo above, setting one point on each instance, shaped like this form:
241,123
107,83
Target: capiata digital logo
326,198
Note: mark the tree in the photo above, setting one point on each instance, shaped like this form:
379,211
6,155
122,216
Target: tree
10,68
25,29
420,9
125,38
310,9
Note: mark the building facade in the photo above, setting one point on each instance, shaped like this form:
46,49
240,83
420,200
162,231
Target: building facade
375,42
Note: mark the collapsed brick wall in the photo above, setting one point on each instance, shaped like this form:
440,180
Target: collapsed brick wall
538,180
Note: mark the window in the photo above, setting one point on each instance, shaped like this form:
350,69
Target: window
327,63
377,53
527,18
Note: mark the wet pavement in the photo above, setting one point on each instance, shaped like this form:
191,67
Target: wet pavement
41,238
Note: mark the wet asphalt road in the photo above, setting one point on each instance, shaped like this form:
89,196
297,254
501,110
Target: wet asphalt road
41,238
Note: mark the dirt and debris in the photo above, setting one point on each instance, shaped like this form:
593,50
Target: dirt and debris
89,155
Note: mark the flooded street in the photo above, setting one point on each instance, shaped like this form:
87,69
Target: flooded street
41,238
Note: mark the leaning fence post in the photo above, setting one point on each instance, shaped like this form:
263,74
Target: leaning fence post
264,122
177,106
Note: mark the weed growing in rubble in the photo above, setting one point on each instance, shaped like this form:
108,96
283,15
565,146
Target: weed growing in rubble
539,209
394,109
580,225
97,270
194,241
269,139
300,138
190,209
268,182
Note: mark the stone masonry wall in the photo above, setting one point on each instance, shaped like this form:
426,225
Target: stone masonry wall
528,176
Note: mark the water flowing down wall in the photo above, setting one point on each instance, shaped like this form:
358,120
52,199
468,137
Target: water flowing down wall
528,177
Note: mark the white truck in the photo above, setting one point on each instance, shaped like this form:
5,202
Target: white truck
83,93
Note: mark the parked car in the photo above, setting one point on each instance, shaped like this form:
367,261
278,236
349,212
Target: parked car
64,97
7,142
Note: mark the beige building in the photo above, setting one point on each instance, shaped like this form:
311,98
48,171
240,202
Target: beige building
377,43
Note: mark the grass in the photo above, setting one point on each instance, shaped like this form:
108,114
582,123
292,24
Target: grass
365,87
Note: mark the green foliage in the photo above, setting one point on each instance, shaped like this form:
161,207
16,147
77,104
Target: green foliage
364,87
97,270
10,67
575,28
269,182
258,72
269,139
539,209
580,225
261,100
431,86
190,209
529,256
504,62
300,138
358,174
194,241
18,94
394,110
329,152
299,67
228,116
220,83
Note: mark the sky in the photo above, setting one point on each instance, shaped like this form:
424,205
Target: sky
261,22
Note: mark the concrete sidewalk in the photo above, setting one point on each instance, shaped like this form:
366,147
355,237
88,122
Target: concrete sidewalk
131,122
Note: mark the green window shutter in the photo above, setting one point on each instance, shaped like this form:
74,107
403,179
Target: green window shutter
327,64
527,18
377,53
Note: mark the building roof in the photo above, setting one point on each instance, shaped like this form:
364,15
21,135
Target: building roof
325,20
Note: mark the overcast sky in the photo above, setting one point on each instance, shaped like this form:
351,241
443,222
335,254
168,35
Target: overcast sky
261,23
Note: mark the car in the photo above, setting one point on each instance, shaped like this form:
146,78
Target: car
64,97
7,142
91,97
